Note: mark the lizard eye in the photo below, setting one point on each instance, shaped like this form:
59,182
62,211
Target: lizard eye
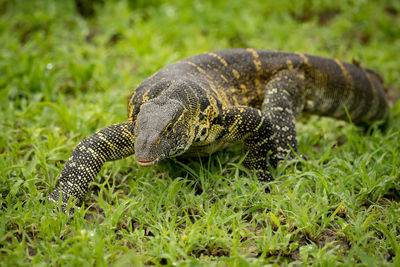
169,128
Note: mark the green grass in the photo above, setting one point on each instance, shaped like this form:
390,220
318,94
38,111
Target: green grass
63,76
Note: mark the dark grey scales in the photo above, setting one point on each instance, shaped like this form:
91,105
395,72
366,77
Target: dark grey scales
201,104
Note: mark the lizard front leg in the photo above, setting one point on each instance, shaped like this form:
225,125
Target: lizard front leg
250,126
283,100
111,143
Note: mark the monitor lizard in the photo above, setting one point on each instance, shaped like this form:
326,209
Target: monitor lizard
203,103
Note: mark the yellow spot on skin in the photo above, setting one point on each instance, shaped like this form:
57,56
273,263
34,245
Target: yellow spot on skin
222,60
346,74
127,134
259,125
244,89
224,78
281,149
145,96
197,67
289,64
288,110
273,91
305,59
201,70
371,82
236,74
256,61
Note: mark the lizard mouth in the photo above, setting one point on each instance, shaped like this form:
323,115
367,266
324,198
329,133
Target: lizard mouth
145,162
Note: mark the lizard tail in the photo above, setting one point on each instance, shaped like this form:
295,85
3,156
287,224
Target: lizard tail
111,143
374,73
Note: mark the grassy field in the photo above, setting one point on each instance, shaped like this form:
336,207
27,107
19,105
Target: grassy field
66,72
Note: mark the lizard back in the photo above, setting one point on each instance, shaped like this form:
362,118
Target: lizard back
239,77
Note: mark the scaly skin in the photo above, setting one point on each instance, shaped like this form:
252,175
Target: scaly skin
203,103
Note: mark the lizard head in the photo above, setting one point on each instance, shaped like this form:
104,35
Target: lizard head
162,130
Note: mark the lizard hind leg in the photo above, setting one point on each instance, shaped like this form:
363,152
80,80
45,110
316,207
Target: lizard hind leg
283,101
